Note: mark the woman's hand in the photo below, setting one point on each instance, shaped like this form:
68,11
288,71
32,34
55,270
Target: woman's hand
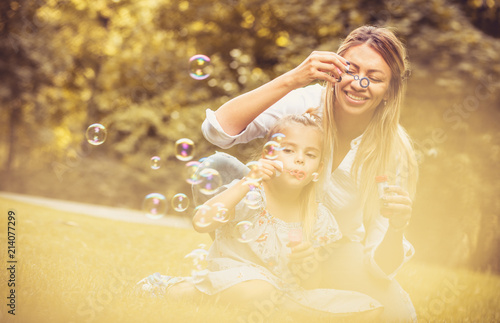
319,65
397,207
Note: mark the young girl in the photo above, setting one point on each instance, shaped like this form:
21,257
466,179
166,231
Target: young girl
270,233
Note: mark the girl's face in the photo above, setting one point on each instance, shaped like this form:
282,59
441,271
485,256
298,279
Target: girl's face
351,97
300,154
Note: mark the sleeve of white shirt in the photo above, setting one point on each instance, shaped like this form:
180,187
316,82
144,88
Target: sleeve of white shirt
295,102
375,233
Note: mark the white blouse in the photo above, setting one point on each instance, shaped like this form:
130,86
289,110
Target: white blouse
342,196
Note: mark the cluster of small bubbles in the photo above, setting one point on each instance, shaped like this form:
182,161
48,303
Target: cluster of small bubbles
271,149
244,231
254,177
155,162
209,180
191,172
184,149
221,215
203,219
200,67
154,205
96,134
252,199
180,202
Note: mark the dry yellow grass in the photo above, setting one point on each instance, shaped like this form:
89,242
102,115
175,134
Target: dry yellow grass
76,268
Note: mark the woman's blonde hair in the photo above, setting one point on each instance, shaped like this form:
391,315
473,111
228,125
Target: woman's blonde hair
386,148
309,204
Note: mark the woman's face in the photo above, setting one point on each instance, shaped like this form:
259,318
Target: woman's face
355,100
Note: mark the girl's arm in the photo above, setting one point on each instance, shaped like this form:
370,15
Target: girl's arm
228,198
231,197
235,115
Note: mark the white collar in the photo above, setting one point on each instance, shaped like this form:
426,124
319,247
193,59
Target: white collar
356,141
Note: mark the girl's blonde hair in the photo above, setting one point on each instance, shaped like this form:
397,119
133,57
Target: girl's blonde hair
386,148
309,204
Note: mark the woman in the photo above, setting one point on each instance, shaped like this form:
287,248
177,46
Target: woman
365,83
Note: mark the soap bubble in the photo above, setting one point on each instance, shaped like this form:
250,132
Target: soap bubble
154,205
199,258
278,137
96,134
244,231
206,162
197,254
180,202
221,215
364,82
254,177
191,172
271,149
200,67
155,162
203,219
252,199
209,181
184,149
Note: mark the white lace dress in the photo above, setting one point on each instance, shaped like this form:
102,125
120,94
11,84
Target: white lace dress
262,254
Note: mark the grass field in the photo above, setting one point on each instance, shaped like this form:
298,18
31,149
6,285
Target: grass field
75,268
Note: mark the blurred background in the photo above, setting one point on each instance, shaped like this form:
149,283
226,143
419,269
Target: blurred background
65,65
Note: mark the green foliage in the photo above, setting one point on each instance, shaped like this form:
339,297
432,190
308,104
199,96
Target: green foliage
68,64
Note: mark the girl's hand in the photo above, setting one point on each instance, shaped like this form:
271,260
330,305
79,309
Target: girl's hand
301,253
319,65
396,206
304,265
266,171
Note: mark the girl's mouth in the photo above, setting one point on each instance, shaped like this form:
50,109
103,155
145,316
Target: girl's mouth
299,174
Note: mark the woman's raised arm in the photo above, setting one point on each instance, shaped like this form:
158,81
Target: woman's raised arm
235,115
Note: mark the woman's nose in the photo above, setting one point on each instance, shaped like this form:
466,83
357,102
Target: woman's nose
356,85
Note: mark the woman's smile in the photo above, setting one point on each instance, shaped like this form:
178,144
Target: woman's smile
355,98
